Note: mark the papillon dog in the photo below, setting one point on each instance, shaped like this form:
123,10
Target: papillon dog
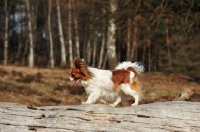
108,85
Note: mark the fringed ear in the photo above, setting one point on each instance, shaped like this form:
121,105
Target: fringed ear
77,62
82,67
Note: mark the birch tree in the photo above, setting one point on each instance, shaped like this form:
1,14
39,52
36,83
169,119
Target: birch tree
112,57
31,51
102,50
61,37
76,31
50,34
6,33
70,34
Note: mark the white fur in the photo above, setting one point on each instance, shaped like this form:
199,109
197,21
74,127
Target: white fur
126,64
100,87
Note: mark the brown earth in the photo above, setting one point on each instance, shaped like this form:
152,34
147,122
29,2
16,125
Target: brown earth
40,87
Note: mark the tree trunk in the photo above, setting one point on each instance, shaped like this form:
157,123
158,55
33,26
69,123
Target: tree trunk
128,42
134,46
88,45
88,51
76,32
111,47
149,49
102,54
94,50
168,45
6,33
70,34
62,43
50,35
31,48
156,117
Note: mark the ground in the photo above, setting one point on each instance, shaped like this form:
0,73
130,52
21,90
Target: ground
41,87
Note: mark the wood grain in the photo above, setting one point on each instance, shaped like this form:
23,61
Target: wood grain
159,117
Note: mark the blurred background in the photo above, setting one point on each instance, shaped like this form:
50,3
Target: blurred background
39,40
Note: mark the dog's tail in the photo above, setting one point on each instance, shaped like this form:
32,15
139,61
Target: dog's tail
135,67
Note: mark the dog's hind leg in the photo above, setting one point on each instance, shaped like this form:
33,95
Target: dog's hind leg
118,100
128,91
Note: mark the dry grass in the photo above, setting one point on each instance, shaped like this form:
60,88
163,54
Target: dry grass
35,86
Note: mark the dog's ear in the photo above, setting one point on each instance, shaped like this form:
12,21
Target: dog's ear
79,63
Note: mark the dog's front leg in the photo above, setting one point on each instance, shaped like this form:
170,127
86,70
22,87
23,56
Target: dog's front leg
93,97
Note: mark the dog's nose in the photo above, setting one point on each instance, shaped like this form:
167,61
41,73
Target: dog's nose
70,78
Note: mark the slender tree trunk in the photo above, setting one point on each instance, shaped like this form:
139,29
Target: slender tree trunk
50,35
70,33
111,47
134,46
144,54
62,43
168,45
31,48
18,49
102,50
6,34
76,31
149,49
128,42
24,54
89,49
94,51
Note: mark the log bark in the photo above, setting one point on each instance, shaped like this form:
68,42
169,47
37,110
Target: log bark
163,116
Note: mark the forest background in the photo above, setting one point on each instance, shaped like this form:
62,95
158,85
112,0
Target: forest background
162,34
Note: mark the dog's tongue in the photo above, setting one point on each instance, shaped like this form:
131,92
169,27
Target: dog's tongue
74,81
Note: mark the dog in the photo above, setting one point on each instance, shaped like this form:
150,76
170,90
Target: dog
108,85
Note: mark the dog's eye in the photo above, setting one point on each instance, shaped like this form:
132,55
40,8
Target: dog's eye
73,74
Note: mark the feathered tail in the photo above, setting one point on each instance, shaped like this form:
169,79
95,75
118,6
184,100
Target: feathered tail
135,67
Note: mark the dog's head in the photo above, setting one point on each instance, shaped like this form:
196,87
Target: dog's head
79,71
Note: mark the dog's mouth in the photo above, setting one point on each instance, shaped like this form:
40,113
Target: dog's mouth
74,81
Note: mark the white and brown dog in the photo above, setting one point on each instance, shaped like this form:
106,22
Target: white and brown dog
108,84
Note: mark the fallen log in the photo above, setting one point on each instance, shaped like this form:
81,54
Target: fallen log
163,116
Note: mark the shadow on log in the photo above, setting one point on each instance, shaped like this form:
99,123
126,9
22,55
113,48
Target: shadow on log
164,116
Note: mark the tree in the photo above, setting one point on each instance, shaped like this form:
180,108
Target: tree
76,30
51,55
61,37
31,48
70,33
6,33
111,48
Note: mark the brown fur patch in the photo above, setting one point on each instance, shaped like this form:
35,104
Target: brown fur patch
119,77
133,70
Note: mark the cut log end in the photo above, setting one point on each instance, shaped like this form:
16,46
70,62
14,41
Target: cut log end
186,94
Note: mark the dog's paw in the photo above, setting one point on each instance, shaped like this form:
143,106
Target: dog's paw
84,103
112,105
102,101
134,104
